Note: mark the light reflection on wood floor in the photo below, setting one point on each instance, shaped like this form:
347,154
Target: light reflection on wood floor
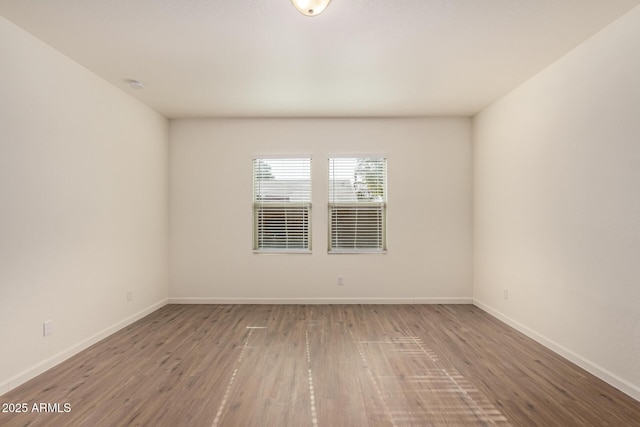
410,385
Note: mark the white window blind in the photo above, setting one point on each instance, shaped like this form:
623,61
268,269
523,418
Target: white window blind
282,205
357,204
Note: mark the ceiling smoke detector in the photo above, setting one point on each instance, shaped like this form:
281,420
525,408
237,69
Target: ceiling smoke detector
135,84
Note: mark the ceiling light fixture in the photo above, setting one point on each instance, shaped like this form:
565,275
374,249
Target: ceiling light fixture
310,7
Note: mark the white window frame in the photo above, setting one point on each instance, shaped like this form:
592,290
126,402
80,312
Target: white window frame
339,203
262,206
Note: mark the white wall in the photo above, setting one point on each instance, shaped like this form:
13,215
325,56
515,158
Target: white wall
83,206
429,214
557,205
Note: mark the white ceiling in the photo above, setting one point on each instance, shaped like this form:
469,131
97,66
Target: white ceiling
262,58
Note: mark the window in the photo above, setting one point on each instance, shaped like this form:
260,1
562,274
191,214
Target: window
282,205
357,204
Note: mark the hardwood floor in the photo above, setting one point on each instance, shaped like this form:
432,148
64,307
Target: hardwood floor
319,365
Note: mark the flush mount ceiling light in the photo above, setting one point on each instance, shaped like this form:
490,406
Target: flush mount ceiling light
310,7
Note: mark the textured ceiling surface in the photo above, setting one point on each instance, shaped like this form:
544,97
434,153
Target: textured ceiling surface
262,58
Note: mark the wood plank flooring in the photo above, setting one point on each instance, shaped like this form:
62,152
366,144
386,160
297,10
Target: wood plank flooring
319,365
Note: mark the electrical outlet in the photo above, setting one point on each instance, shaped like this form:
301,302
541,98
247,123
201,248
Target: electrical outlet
505,293
340,280
129,295
47,328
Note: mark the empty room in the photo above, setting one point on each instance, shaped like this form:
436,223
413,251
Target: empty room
320,213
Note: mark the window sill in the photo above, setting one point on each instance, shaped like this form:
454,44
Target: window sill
281,252
357,252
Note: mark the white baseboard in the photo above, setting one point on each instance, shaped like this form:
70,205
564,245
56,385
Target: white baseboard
608,377
11,383
455,300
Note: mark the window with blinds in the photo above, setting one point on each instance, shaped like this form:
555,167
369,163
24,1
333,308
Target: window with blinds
357,204
282,205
